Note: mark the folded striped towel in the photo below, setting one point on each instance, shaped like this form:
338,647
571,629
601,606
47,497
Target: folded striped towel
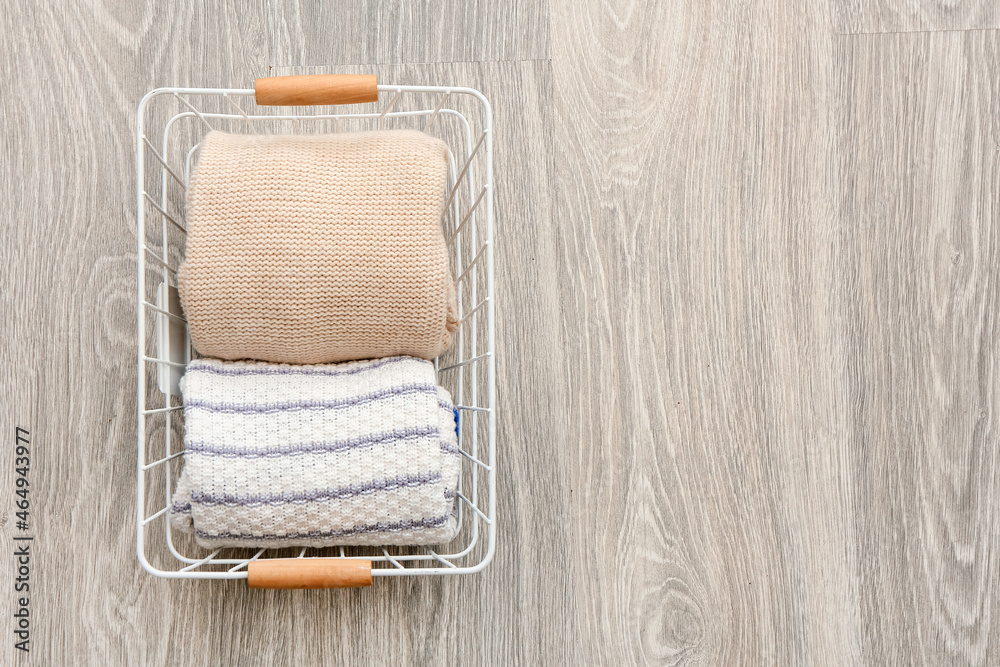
359,453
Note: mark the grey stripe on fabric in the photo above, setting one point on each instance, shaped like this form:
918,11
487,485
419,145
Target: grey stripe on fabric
299,449
202,367
319,495
380,527
310,404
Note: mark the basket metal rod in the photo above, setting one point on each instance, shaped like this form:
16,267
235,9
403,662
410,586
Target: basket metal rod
387,109
164,213
468,215
164,293
196,112
159,158
198,563
473,458
467,361
474,508
247,562
465,169
442,560
154,411
473,311
472,265
164,361
474,343
172,316
154,516
437,110
240,111
163,460
152,256
388,557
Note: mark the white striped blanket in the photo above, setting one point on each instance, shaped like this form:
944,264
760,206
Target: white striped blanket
358,453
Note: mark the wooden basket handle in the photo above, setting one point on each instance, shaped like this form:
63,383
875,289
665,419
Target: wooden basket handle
293,573
309,89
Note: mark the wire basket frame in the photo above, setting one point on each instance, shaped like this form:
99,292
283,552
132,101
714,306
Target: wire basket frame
170,125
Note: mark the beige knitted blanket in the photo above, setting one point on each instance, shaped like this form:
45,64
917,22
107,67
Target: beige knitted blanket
318,248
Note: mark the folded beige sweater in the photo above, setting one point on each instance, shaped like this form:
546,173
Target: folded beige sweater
318,248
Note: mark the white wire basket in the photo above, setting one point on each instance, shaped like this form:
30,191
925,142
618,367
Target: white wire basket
170,124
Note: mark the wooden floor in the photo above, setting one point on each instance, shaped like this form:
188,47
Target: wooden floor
748,330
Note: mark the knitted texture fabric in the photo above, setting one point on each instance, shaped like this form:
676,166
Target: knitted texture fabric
361,453
318,248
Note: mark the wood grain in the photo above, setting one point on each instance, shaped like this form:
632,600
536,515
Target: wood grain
877,16
693,180
920,203
301,573
316,89
320,34
74,77
747,368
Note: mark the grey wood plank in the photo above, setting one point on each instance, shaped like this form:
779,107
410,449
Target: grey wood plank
875,16
313,33
73,76
920,202
772,452
693,187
